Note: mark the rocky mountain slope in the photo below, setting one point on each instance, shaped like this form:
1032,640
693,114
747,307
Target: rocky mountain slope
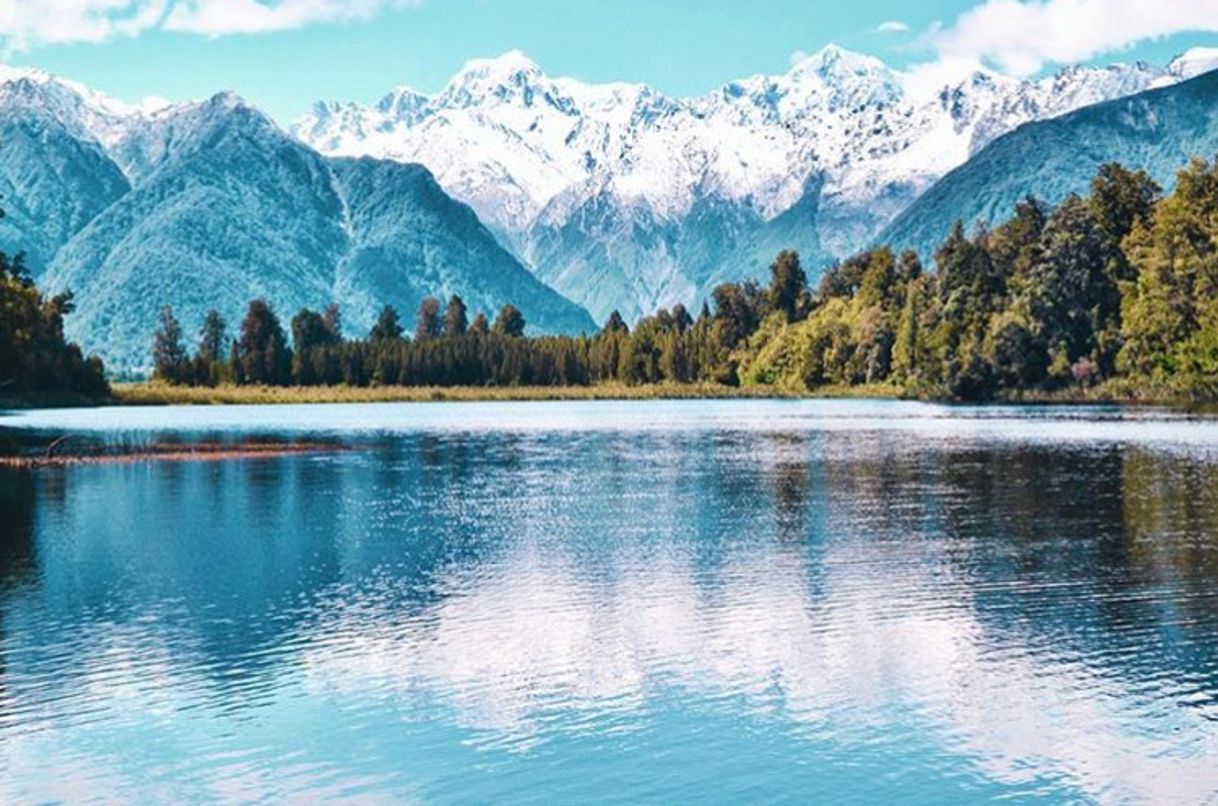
1159,131
210,204
623,197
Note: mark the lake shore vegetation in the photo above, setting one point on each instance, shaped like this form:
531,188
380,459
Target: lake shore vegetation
1109,296
1112,296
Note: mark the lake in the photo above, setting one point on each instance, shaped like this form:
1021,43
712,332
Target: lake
660,601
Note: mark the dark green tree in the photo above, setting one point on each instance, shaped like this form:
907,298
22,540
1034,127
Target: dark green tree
455,318
509,322
333,320
427,322
615,324
313,337
34,356
681,319
261,354
1121,199
388,326
738,310
788,285
213,338
169,360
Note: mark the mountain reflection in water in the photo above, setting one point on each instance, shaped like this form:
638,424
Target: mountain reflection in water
636,613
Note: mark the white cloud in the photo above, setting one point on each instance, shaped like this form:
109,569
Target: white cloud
26,24
217,17
798,56
1022,37
892,27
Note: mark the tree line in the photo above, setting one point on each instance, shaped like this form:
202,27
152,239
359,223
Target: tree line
1117,285
35,358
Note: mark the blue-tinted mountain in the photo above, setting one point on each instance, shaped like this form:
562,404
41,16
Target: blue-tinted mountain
1158,131
52,181
621,196
210,205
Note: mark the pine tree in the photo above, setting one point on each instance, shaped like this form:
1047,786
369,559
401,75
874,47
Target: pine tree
509,322
788,283
427,321
311,334
168,354
615,324
455,320
261,354
213,338
388,326
333,321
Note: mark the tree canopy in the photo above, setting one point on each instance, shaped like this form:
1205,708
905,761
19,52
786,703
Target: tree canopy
1120,285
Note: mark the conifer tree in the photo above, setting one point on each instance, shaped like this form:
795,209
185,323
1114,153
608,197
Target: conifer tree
388,326
615,323
455,319
427,321
213,337
509,322
788,284
168,354
261,354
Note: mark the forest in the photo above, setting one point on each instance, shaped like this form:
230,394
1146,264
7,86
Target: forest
1110,294
36,362
1114,290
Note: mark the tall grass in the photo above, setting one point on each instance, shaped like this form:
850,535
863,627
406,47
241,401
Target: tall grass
160,394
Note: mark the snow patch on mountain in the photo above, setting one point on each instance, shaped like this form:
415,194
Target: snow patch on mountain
593,183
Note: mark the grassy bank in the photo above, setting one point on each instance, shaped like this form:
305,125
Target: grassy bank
163,394
157,394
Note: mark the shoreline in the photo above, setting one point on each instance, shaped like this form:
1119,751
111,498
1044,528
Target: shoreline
146,393
156,394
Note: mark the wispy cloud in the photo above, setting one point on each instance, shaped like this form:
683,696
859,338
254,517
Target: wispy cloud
1023,37
27,24
891,27
218,17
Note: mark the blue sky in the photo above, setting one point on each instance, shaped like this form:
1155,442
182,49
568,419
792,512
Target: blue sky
283,54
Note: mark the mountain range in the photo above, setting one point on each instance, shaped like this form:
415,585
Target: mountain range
622,197
209,205
1158,131
565,198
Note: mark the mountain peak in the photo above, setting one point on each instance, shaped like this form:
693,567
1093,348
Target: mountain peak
835,61
225,100
1194,62
10,73
504,69
510,78
403,103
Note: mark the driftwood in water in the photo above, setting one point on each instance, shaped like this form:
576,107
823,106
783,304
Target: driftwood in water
172,452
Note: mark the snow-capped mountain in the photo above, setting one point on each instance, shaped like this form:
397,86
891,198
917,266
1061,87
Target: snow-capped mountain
622,197
1158,131
210,204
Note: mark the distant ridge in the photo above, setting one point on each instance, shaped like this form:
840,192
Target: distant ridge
623,197
1158,131
209,204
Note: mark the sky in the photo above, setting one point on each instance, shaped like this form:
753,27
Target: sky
285,54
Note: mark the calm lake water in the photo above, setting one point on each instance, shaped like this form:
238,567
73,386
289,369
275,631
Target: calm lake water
644,601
